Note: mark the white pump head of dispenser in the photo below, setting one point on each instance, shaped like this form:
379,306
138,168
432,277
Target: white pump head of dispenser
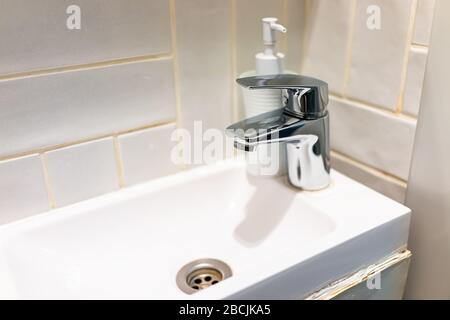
269,62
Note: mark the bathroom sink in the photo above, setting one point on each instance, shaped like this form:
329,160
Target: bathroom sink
277,241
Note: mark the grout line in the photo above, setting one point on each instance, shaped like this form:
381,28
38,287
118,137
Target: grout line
418,48
334,94
119,162
306,34
175,62
176,69
83,67
364,104
368,168
48,185
302,37
233,56
285,22
404,74
349,49
72,143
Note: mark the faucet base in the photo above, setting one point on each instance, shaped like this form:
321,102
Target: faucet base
306,169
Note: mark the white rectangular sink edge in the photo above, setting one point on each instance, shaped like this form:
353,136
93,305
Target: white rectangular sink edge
281,243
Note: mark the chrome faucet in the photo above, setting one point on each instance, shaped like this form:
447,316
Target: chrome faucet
302,122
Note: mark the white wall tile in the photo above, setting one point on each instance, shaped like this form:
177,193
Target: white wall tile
328,28
35,36
49,110
378,55
203,47
414,80
82,171
371,136
375,180
294,38
22,188
424,21
146,154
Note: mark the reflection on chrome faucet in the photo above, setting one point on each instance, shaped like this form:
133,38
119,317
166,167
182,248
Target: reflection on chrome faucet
302,123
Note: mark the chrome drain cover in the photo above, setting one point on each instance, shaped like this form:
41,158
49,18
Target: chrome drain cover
201,274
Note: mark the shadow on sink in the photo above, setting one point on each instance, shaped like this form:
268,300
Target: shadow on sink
263,212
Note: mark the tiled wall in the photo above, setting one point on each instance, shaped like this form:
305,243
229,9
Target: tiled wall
86,112
375,78
89,111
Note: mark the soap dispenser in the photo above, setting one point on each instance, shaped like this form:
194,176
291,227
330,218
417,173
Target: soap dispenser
268,62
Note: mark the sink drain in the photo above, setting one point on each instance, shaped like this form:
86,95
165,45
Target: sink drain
201,274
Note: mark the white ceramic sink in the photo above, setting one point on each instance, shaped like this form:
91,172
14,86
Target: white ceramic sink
279,242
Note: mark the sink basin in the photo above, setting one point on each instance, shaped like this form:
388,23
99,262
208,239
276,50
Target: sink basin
278,242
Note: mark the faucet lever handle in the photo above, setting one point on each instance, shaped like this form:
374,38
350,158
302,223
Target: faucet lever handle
304,97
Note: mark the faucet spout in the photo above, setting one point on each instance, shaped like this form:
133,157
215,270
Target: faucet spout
307,144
